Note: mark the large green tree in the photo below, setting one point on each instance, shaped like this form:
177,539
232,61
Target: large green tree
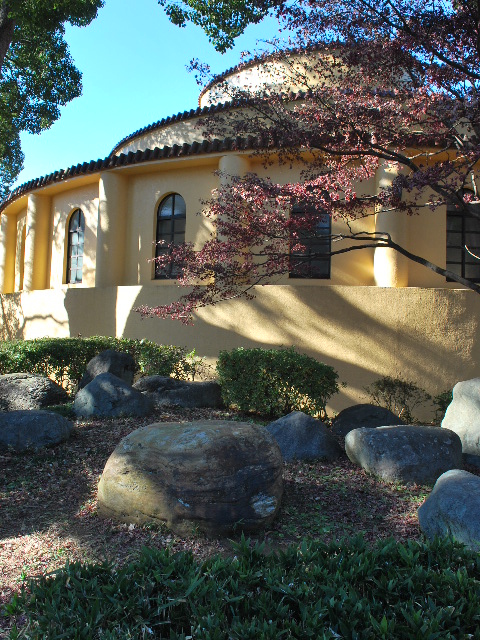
37,73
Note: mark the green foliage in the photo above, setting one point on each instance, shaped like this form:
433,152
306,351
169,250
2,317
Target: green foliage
397,395
274,382
37,72
441,402
316,590
222,20
65,359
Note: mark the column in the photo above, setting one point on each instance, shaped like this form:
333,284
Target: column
38,240
8,236
389,267
111,230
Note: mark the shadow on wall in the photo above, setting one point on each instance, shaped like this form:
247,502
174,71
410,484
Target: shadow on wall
12,321
427,336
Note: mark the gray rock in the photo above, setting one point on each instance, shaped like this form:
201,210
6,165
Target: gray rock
32,429
169,391
214,475
405,453
118,363
363,415
26,391
108,396
463,417
301,437
453,509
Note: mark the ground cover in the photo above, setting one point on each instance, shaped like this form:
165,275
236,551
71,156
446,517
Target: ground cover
48,507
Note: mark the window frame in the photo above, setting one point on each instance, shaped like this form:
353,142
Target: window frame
459,266
312,245
73,234
173,236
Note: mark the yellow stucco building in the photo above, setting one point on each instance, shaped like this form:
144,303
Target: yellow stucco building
76,249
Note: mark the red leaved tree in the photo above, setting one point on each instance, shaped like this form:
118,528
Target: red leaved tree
385,82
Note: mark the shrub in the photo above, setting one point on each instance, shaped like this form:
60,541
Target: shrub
274,382
441,402
313,590
397,395
65,359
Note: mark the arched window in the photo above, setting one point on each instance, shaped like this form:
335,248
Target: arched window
76,239
463,241
171,218
314,260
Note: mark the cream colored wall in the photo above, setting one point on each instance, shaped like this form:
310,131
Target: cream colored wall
146,191
63,205
428,336
176,133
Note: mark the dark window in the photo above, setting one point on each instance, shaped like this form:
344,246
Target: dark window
76,240
171,218
314,260
463,240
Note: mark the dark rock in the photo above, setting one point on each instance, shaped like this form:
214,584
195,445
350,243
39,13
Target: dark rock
191,395
463,417
405,453
117,363
26,391
301,437
215,475
453,509
363,415
32,429
108,396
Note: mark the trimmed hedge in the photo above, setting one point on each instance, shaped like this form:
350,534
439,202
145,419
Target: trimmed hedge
65,359
408,591
274,382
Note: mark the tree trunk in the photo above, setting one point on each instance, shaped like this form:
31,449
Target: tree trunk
7,26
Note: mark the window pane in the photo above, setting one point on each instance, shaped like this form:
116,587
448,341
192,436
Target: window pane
166,207
179,208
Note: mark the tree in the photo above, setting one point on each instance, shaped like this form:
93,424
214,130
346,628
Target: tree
391,81
37,74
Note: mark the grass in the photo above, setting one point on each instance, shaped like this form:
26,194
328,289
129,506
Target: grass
48,507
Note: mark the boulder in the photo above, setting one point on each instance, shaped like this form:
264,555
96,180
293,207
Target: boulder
453,509
26,391
301,437
405,453
191,395
463,417
32,429
117,363
363,415
108,396
216,476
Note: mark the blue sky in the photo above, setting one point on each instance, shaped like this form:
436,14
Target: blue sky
133,62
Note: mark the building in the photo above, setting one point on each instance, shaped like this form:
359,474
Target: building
76,249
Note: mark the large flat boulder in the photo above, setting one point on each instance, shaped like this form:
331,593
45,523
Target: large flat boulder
117,363
405,453
31,429
217,476
109,397
170,391
301,437
363,415
463,417
27,391
453,509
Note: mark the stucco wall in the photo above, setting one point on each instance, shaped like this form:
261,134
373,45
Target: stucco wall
428,336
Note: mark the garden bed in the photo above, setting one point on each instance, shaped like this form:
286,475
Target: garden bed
48,507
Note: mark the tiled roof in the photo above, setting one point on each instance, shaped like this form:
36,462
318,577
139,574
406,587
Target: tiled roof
179,117
138,157
264,57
